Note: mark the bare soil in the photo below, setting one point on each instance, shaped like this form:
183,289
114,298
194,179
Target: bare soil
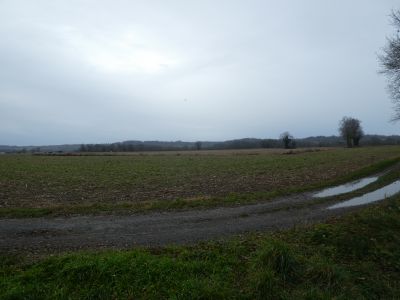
29,181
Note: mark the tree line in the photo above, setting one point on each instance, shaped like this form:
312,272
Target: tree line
248,143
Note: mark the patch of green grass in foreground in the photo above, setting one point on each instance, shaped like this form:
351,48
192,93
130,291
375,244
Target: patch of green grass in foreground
355,257
231,199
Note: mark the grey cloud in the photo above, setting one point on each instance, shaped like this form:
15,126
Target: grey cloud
98,71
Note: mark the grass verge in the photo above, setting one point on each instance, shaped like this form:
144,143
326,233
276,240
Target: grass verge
355,257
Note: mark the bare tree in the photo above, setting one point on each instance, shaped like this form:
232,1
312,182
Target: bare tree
390,61
351,131
288,140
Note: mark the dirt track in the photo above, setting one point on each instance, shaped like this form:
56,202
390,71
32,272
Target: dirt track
156,229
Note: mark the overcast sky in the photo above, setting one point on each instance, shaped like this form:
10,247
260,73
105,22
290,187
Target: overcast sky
92,71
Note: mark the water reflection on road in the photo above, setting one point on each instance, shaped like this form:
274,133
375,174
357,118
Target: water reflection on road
380,194
346,188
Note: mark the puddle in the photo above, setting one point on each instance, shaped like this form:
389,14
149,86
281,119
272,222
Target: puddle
346,188
380,194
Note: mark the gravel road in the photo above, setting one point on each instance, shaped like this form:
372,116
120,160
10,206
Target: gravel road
159,228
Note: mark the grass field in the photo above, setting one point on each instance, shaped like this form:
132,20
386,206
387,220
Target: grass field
41,185
355,257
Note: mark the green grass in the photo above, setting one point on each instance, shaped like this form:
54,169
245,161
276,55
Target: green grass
355,257
32,186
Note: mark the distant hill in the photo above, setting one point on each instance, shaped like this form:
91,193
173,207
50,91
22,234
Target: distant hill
246,143
46,148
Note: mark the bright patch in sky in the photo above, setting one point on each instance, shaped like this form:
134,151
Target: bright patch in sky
146,61
116,53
